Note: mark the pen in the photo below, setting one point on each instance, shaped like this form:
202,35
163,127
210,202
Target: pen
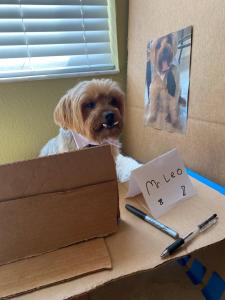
181,241
140,214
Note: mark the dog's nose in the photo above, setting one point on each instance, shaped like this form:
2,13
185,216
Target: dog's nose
109,118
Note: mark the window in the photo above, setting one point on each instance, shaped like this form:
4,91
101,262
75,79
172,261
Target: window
56,38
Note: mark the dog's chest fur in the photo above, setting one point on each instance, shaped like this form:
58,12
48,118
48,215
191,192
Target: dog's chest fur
64,142
166,86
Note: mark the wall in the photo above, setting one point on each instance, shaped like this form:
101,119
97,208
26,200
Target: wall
203,147
26,108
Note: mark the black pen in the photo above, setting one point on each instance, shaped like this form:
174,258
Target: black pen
181,241
140,214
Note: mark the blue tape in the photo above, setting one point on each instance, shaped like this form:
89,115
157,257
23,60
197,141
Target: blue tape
206,181
183,260
196,272
215,287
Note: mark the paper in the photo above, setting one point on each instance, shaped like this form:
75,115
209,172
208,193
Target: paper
163,182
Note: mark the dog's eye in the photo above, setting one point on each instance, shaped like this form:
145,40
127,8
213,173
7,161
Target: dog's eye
114,102
90,105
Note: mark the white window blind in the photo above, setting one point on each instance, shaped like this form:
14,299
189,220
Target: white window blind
53,38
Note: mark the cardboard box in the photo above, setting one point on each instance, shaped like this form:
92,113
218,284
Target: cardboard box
52,202
202,148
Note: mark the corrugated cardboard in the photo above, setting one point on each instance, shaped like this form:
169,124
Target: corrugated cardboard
51,202
202,148
137,245
56,173
53,267
168,281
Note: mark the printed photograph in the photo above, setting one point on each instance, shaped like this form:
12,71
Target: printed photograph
167,81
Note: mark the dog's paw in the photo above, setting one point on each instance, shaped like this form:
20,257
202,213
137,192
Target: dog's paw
177,125
168,118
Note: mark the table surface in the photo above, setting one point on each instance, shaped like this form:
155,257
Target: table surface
137,245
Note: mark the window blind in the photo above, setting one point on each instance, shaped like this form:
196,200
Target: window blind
53,37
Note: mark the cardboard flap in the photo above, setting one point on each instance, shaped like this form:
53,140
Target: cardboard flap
49,174
54,267
46,222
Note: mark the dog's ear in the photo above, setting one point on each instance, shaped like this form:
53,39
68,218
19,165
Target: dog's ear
171,83
63,112
153,52
174,43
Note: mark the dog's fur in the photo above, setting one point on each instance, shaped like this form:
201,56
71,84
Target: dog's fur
95,110
165,86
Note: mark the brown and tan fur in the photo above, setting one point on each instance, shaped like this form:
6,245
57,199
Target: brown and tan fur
83,108
163,109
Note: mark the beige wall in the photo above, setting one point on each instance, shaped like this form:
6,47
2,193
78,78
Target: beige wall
26,108
203,147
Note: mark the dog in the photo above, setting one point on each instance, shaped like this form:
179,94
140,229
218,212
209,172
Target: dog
164,94
90,114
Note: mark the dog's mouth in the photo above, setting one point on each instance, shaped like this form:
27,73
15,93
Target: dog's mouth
110,126
165,66
165,60
107,126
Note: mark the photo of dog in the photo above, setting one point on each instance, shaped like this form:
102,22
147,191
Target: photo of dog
167,81
90,114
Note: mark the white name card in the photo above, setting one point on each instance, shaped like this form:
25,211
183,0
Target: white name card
162,181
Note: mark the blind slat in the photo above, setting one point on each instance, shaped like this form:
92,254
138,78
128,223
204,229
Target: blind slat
40,38
55,73
57,2
64,2
11,25
53,50
12,38
52,11
78,49
36,25
65,25
79,63
10,11
67,11
58,61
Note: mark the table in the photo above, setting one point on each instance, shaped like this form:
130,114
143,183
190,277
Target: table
136,246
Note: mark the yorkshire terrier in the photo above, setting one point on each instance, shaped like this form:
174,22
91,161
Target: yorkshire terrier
91,113
165,99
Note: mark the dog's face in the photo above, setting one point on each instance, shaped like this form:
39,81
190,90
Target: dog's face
92,108
162,52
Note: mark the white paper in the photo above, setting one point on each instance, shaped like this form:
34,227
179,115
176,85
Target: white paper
133,188
163,182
